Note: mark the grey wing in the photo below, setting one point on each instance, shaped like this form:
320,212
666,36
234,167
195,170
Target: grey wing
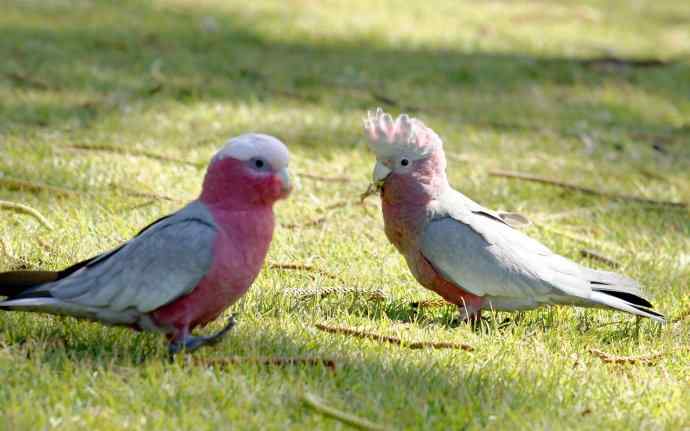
485,257
165,262
481,253
488,258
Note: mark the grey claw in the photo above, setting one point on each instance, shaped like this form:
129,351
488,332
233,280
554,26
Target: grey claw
192,343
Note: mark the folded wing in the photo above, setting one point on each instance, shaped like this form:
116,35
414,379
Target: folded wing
485,256
166,261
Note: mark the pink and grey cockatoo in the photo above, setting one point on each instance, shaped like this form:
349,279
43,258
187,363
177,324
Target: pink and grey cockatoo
183,270
468,254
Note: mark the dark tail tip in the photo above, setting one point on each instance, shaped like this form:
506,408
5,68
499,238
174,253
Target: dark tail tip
652,312
633,299
15,282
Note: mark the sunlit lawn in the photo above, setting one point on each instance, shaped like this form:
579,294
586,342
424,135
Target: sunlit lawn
508,86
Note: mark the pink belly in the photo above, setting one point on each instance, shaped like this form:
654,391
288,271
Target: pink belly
431,279
402,228
239,253
204,304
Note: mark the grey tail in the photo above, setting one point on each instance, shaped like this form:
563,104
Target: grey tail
16,283
622,293
22,284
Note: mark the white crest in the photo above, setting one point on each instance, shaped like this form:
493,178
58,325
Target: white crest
405,135
255,145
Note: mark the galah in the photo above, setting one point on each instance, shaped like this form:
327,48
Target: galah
184,269
466,253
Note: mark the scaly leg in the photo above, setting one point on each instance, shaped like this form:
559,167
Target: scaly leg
471,312
185,341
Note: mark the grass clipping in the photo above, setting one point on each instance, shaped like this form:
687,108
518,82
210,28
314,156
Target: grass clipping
320,406
614,359
27,210
394,340
278,361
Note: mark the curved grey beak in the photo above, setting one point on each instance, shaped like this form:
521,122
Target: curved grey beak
381,172
284,176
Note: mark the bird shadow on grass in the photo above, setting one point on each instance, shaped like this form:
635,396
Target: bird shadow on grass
165,56
367,378
606,328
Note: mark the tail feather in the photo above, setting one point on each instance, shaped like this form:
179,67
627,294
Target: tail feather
596,288
652,312
127,317
15,283
621,292
613,280
604,298
629,297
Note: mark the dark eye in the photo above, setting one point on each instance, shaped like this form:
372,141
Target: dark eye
259,164
404,162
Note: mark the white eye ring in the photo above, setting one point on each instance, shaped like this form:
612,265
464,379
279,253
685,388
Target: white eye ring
404,162
259,164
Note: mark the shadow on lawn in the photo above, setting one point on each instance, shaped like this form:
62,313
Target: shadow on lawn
165,56
452,386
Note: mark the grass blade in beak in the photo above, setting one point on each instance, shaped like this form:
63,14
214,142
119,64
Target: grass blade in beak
373,189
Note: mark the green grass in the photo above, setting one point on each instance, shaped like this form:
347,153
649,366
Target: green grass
504,85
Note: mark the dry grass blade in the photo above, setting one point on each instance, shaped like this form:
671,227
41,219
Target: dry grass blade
393,340
375,295
311,223
33,186
27,210
582,239
133,152
615,322
148,195
324,178
372,189
386,100
279,361
144,204
429,303
582,189
355,421
440,345
584,211
19,184
359,334
613,359
336,205
321,220
611,61
28,80
591,254
576,212
302,267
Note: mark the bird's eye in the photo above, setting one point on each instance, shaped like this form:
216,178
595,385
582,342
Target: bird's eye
404,162
259,164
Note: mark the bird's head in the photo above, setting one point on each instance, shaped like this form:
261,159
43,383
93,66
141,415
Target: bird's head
251,169
407,152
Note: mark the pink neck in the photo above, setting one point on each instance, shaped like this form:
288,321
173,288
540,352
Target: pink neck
425,183
406,197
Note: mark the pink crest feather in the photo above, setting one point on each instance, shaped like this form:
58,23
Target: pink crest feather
388,137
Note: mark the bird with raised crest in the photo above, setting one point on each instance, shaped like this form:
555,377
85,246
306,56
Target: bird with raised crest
472,256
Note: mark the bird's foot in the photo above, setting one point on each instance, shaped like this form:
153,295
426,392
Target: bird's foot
472,317
191,343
